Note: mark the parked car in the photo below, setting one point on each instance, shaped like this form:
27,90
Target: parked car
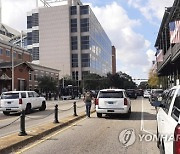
131,93
168,124
16,101
139,92
146,93
112,101
155,95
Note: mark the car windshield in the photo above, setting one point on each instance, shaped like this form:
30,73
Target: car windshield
112,94
10,96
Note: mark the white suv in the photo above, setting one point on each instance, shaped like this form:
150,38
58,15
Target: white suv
112,101
168,127
15,101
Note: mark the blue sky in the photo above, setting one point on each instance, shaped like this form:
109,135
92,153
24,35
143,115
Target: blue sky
134,35
132,26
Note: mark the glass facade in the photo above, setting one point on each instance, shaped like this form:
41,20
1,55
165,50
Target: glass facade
85,25
85,60
35,19
74,60
29,38
84,9
84,42
73,25
74,43
35,52
73,10
35,36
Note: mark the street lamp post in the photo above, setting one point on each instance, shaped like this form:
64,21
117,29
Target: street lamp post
12,68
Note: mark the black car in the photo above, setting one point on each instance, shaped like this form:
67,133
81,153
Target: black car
131,93
155,95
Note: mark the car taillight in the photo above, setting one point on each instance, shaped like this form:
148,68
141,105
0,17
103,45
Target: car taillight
125,101
96,101
177,140
20,101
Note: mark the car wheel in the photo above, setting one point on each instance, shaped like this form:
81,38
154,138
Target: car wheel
43,106
129,113
28,108
99,115
6,113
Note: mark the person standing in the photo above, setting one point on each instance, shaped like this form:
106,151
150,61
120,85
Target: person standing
88,101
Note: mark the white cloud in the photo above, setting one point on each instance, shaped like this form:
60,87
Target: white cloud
14,13
151,9
131,47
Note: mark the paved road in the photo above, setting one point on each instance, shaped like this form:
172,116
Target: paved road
104,135
11,124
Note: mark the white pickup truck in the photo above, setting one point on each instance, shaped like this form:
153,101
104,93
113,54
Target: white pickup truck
16,101
168,126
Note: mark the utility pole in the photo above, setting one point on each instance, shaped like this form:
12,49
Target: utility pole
12,67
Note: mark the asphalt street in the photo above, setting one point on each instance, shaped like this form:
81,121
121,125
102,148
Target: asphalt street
104,135
11,124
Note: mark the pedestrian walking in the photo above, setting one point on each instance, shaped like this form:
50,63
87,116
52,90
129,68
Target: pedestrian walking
88,101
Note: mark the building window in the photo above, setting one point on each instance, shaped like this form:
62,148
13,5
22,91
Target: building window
8,53
29,21
84,42
85,25
14,55
1,51
75,75
74,60
73,25
35,19
85,60
19,55
35,77
29,38
35,53
74,43
84,9
73,10
30,75
35,36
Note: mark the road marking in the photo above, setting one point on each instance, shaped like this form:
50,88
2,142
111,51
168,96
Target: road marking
46,138
142,118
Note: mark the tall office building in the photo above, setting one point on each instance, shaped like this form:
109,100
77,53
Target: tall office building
69,37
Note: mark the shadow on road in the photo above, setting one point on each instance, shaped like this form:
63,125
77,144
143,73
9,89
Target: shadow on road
135,115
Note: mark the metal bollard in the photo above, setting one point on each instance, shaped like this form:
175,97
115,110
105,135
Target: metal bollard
56,114
22,124
75,114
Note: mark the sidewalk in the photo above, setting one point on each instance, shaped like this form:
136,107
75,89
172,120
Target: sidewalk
13,142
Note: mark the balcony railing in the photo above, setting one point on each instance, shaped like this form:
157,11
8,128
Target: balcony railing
165,59
175,50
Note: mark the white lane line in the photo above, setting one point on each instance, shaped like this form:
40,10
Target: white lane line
142,114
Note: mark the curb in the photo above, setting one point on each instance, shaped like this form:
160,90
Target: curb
14,142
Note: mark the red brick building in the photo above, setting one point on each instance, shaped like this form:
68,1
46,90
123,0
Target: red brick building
21,75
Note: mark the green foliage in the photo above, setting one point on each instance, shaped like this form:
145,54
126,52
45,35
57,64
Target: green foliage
153,79
118,80
46,84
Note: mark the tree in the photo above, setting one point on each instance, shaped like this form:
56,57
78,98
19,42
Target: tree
47,84
153,81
